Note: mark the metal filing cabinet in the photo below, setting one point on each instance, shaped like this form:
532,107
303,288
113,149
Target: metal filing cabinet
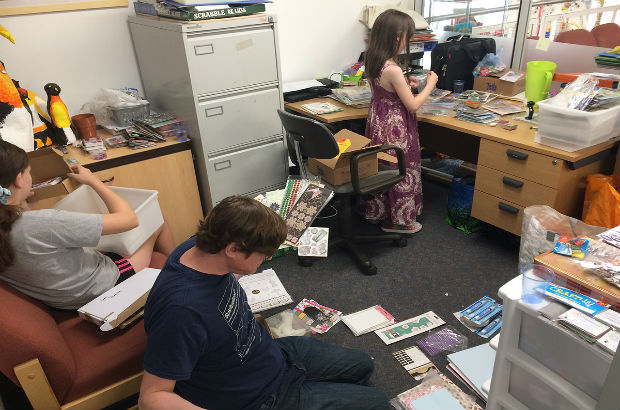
222,77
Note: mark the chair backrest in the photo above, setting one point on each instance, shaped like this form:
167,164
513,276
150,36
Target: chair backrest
27,331
315,139
607,35
579,36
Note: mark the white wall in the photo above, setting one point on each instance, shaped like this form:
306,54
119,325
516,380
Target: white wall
83,51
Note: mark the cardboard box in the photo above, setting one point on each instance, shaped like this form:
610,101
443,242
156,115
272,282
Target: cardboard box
119,303
336,171
570,274
46,164
493,84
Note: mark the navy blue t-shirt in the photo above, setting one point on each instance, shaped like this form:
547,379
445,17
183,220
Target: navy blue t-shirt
202,333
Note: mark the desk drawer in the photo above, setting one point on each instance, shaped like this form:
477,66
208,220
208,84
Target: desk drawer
497,212
526,164
239,119
232,59
513,188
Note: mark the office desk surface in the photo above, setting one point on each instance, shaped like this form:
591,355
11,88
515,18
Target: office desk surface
522,137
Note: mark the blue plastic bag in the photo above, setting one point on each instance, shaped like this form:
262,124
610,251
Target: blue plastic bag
460,199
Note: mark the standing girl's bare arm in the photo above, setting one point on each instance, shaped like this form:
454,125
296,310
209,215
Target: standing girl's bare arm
121,217
394,76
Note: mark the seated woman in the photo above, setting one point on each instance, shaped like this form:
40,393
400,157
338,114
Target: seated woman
49,254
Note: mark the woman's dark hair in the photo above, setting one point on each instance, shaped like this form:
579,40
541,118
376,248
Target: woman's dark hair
383,44
243,221
13,161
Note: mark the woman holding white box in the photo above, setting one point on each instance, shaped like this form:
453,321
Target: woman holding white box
49,254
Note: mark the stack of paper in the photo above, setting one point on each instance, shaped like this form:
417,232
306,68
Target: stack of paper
358,97
264,291
473,366
368,320
321,107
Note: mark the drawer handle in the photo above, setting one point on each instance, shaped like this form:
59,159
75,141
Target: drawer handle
212,112
219,166
105,181
204,49
516,154
508,208
512,182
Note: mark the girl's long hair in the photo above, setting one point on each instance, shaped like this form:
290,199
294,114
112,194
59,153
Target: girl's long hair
13,160
383,44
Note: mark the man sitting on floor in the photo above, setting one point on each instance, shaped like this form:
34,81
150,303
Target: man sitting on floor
205,349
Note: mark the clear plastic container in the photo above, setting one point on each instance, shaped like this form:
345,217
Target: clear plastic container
571,129
124,114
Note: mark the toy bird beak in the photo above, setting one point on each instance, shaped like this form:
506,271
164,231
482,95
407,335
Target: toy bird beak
5,33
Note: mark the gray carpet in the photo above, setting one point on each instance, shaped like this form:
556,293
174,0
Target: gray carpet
442,269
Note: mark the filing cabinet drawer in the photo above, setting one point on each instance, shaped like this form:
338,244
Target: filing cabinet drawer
247,171
239,119
231,59
529,165
513,188
497,212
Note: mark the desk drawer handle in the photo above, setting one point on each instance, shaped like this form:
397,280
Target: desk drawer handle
508,208
516,154
219,166
512,182
212,112
204,49
105,181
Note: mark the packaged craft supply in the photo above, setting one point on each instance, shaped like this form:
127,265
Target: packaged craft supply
575,247
446,339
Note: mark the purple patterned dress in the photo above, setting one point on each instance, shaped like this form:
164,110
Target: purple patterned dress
389,122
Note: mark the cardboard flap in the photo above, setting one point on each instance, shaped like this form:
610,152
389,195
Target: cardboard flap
47,164
502,73
357,142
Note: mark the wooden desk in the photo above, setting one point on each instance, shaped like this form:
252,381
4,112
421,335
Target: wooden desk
513,171
166,167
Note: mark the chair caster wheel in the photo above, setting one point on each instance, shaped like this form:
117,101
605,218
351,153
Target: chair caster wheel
305,262
369,269
400,243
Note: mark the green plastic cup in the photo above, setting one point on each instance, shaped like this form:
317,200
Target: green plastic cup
538,78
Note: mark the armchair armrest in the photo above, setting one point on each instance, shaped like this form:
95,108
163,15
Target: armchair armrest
381,184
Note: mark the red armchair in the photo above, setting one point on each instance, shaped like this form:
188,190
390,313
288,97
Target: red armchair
64,362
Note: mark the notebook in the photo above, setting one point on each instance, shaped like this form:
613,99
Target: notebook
367,320
264,291
475,366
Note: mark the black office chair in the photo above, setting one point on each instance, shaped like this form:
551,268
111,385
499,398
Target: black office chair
309,138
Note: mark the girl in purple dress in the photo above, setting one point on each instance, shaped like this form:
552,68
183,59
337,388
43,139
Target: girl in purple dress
392,119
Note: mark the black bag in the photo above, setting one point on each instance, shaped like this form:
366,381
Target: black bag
456,59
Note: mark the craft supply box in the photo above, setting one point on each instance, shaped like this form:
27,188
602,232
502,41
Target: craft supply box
336,171
571,129
142,201
46,164
492,84
571,275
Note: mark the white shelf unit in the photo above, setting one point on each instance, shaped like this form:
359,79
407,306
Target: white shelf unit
222,77
541,365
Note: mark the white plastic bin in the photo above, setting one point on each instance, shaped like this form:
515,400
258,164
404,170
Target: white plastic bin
571,130
142,201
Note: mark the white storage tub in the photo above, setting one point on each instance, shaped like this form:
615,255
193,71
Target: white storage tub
142,201
572,130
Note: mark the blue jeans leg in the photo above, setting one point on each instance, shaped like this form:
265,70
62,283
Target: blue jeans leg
326,377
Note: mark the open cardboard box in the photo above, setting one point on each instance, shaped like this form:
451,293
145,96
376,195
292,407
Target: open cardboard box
336,171
119,303
492,84
46,164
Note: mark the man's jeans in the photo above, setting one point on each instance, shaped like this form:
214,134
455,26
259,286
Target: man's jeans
319,376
